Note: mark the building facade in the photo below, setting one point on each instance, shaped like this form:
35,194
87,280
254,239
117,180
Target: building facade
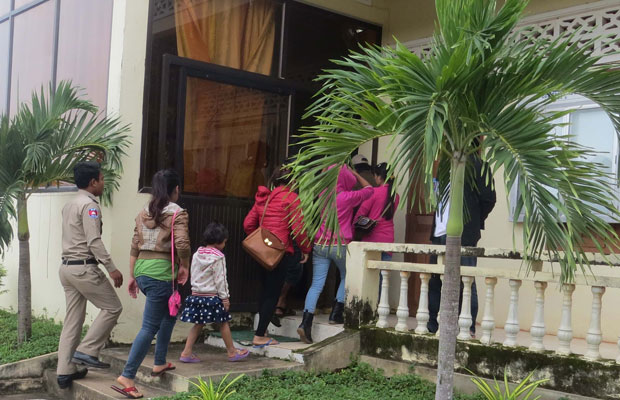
215,89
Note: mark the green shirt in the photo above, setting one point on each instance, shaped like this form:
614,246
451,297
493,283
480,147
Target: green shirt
156,269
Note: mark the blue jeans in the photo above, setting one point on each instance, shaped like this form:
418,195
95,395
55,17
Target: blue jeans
322,256
155,321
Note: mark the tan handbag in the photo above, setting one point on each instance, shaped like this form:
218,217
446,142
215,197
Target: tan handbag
264,246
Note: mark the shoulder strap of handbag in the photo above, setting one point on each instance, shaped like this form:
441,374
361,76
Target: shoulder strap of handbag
172,244
260,224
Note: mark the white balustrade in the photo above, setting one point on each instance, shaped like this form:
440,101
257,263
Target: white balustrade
403,309
488,321
594,336
565,331
384,305
422,316
541,281
465,319
538,325
512,322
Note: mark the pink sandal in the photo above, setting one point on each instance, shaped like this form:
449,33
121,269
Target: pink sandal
239,356
190,360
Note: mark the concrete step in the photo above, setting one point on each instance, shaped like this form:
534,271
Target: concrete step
214,365
321,329
290,351
96,386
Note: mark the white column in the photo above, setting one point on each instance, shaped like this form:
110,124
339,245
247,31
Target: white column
465,316
488,321
403,309
565,331
384,305
422,315
538,325
512,322
594,336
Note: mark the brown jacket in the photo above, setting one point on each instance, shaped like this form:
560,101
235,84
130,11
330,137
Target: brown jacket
151,241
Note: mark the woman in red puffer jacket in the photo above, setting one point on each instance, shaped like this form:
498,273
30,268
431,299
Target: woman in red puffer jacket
283,218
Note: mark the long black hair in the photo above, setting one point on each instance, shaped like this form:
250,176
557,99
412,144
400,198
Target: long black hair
381,170
163,185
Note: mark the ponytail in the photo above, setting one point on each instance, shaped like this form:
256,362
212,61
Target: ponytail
381,170
163,185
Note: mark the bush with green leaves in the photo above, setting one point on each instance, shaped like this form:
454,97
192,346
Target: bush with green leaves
359,381
523,391
208,391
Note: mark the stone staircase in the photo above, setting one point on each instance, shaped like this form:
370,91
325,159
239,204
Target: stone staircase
289,350
331,348
214,365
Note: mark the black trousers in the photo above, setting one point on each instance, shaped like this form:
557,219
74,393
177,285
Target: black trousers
272,286
434,292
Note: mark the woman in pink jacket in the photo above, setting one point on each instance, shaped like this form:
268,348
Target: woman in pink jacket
326,249
381,207
283,218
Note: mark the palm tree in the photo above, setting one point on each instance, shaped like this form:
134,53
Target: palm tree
481,92
39,147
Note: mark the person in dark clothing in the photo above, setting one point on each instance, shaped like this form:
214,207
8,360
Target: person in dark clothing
362,167
478,202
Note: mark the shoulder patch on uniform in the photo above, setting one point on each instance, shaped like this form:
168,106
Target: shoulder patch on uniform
93,213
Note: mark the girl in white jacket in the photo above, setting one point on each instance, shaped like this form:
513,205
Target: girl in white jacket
209,302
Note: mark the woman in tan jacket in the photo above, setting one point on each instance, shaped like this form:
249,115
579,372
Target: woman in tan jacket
151,272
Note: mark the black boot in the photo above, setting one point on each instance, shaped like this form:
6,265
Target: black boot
336,316
305,329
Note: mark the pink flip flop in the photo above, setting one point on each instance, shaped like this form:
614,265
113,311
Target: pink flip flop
239,356
190,360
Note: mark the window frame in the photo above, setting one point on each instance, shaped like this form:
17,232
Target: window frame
574,103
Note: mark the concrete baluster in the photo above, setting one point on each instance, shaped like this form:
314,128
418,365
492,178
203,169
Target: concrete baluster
384,305
538,325
565,331
488,321
403,309
422,315
465,316
594,336
512,322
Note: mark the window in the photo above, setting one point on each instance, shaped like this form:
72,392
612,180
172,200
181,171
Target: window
589,126
47,41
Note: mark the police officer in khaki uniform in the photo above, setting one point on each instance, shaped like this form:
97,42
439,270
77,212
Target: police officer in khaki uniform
82,280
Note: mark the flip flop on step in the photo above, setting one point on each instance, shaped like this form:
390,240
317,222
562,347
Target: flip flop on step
190,360
270,342
127,392
239,355
168,367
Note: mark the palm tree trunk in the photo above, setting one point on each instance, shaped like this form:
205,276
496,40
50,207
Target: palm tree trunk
24,308
448,310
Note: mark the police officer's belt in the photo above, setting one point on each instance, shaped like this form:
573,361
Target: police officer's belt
80,262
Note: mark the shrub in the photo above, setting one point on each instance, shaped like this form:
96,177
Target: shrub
524,390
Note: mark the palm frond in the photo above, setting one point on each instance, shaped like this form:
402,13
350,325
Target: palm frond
478,81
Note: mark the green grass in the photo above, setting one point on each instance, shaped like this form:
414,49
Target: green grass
359,381
45,335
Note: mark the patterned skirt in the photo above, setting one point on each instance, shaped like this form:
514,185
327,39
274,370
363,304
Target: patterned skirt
204,310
